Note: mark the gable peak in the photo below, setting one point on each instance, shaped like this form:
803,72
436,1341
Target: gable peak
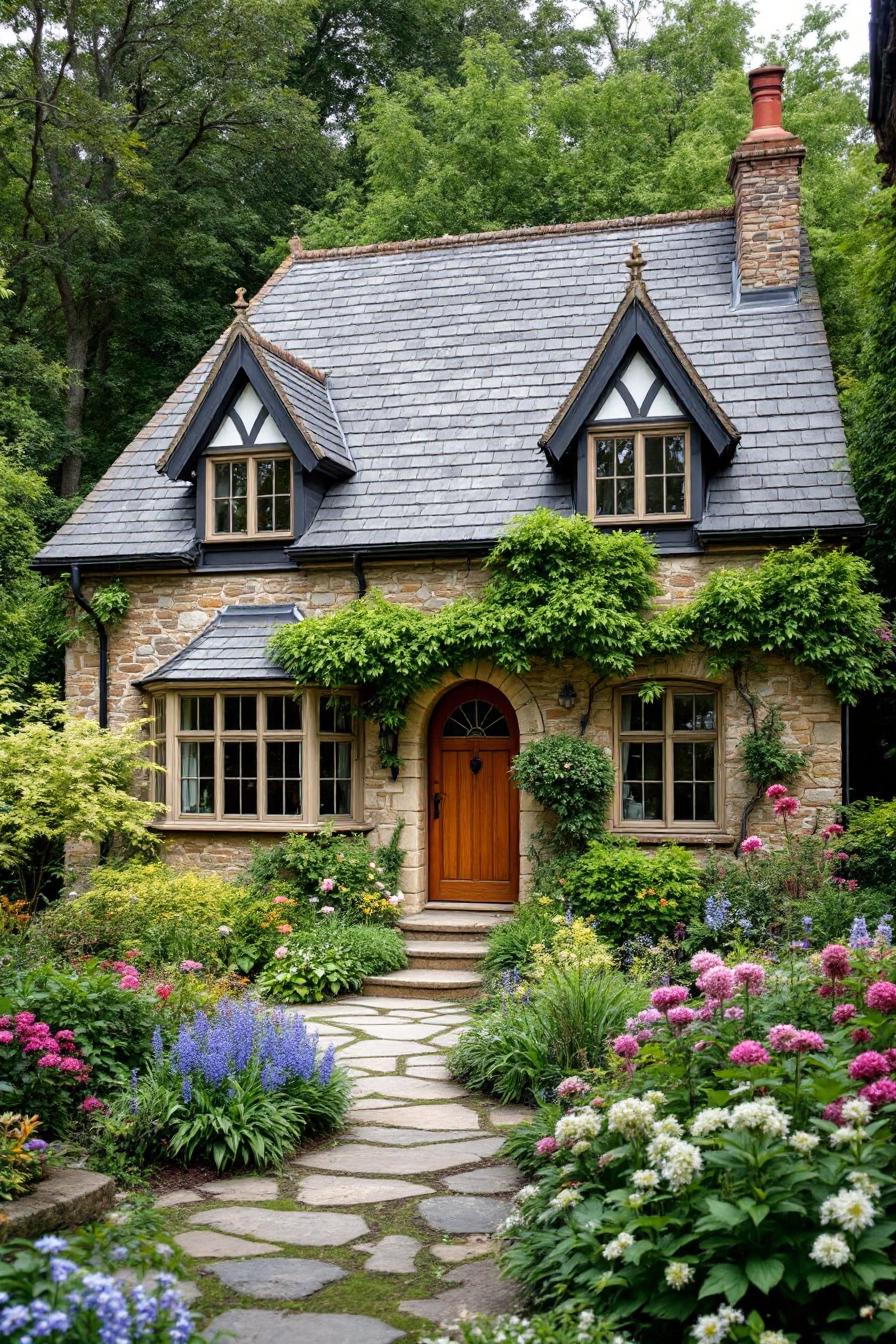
635,264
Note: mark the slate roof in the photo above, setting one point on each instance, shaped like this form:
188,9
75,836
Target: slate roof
447,360
234,647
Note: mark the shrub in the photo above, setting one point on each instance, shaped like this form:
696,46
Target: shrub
165,914
510,944
21,1165
552,1327
102,1283
560,1026
310,974
376,951
628,891
41,1071
571,778
240,1087
871,842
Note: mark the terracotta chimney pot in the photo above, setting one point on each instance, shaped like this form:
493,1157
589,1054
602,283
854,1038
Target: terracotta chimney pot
766,84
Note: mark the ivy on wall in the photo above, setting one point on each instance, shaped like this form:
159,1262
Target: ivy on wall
558,589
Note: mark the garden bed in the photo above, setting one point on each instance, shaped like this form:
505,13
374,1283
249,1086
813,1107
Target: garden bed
68,1197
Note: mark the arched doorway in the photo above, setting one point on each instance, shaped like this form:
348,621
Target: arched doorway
473,805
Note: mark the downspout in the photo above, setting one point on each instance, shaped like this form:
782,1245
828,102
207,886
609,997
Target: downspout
358,571
103,636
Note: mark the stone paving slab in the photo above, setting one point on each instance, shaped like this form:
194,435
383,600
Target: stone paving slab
290,1229
436,1073
390,1004
400,1031
464,1213
425,1061
505,1116
242,1187
257,1326
411,1089
371,1066
480,1288
211,1245
448,1038
323,1191
485,1181
284,1278
377,1160
450,1115
380,1049
455,1253
176,1197
405,1138
395,1254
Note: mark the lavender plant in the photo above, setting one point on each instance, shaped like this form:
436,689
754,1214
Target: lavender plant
241,1086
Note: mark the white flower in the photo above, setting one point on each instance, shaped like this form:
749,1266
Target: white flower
659,1145
512,1220
527,1192
830,1250
564,1199
618,1246
633,1117
762,1115
681,1164
655,1098
856,1110
709,1120
730,1316
841,1137
773,1337
709,1329
578,1127
850,1209
646,1178
581,1147
678,1273
862,1181
668,1126
803,1142
636,1200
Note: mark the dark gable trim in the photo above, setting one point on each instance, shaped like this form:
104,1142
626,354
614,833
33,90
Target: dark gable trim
240,365
637,330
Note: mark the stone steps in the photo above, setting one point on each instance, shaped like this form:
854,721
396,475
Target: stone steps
426,984
451,924
460,954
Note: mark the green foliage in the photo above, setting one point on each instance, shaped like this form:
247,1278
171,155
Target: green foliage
772,891
510,943
571,778
522,1050
815,606
64,778
309,969
111,602
113,1027
550,1327
764,758
20,1167
166,914
871,841
628,890
375,950
327,868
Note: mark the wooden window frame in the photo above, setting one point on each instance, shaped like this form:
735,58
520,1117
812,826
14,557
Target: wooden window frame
668,736
252,533
638,433
310,817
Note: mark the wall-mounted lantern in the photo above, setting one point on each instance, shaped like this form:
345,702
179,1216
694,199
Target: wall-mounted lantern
389,747
566,696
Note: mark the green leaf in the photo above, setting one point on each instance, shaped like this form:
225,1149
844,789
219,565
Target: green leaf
764,1274
729,1280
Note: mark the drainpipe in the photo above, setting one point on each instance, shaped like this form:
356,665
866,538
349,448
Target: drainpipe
102,634
358,571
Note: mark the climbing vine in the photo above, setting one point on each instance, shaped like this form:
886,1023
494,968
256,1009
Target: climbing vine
558,589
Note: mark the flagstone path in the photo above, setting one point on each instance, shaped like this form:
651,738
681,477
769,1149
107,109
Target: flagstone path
381,1233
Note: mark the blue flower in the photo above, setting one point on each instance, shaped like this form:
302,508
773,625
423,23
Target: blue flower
49,1245
715,914
858,934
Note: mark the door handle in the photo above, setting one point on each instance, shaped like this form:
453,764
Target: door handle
436,806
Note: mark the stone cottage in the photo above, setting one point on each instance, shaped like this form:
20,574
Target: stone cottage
374,417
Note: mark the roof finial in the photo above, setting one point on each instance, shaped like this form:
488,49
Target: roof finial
240,305
635,264
295,246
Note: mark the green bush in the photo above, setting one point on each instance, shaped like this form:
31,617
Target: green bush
344,871
549,1327
510,944
166,914
376,950
628,891
328,958
522,1050
571,778
871,843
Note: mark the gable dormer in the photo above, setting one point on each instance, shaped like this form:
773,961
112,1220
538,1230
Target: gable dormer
639,431
260,444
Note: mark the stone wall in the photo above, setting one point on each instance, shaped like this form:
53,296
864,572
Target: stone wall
168,610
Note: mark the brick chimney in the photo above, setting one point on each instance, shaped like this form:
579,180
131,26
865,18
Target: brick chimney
765,174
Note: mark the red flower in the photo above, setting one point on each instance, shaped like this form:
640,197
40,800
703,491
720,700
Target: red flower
163,991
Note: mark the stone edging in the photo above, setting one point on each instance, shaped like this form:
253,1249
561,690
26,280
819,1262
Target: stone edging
68,1197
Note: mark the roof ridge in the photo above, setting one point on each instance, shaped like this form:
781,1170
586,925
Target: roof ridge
499,236
288,358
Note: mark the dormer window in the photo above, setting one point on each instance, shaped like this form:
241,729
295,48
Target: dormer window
249,497
640,475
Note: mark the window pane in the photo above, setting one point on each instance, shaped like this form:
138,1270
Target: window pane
674,454
605,504
683,760
281,513
335,778
653,455
603,453
282,476
239,479
705,712
264,476
238,514
222,480
637,716
704,760
197,713
335,714
653,760
625,457
265,513
222,515
653,802
653,495
625,495
704,802
240,778
683,714
683,803
284,770
694,713
197,777
674,494
642,776
239,713
283,713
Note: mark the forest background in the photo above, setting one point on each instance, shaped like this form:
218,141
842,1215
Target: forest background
154,154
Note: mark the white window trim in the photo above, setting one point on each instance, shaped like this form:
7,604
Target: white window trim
310,735
638,431
275,452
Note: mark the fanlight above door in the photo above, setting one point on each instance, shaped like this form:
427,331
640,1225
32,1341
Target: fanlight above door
476,718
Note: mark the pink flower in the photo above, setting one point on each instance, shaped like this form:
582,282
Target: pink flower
751,845
129,982
881,1093
544,1147
69,1064
861,1036
645,1018
842,1013
734,1013
6,1037
284,928
645,1034
572,1087
26,1020
833,829
281,952
191,965
835,961
626,1047
843,856
65,1035
681,1016
780,1036
163,991
881,996
704,961
92,1104
749,1053
776,791
751,976
787,807
281,900
707,1012
834,1111
667,996
51,1061
328,910
717,982
868,1066
852,885
328,884
804,1042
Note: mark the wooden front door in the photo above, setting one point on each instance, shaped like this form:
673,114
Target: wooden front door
473,805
